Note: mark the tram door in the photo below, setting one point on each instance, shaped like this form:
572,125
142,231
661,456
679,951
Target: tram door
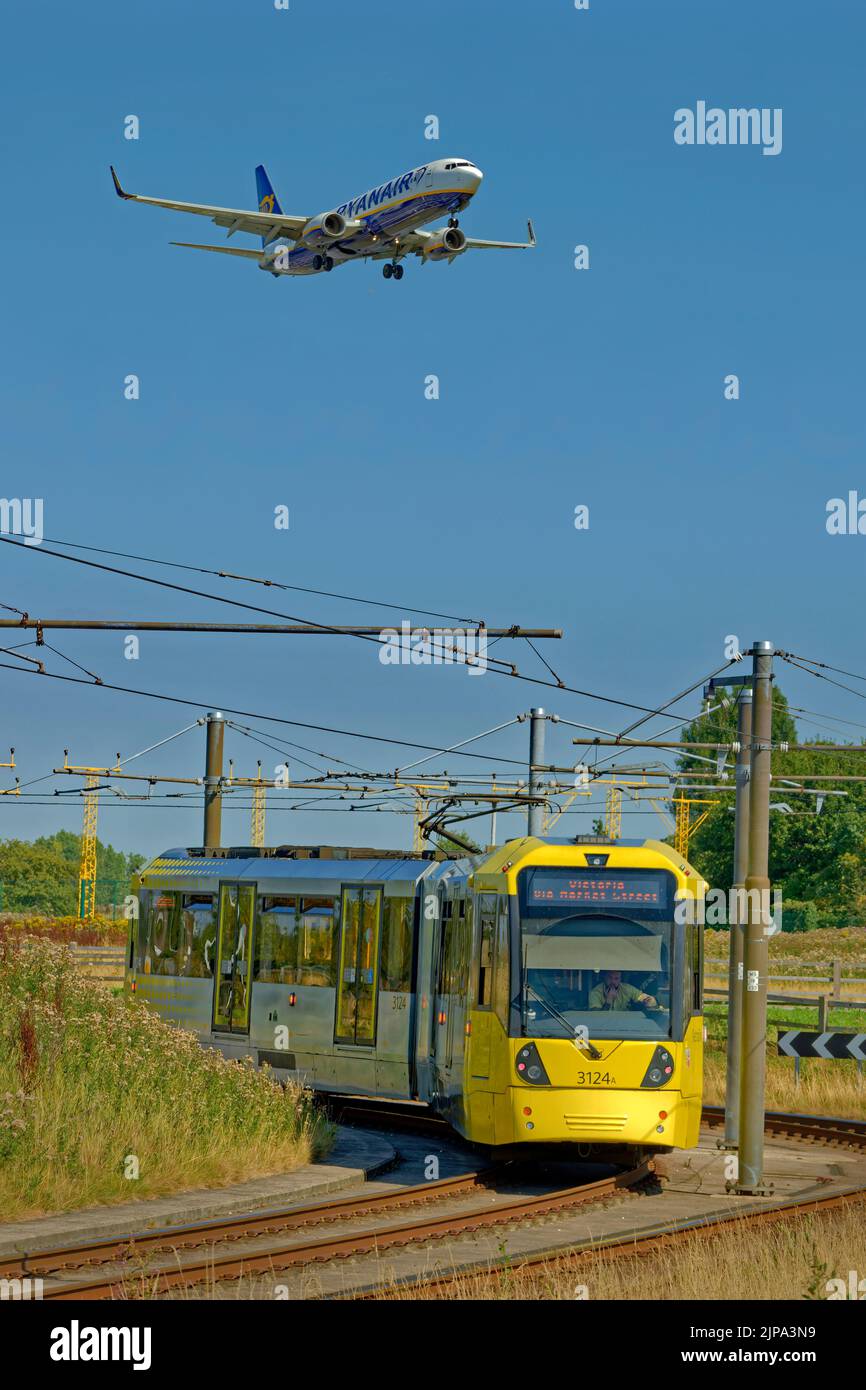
231,1013
358,986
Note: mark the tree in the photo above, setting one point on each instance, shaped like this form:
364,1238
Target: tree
814,858
42,876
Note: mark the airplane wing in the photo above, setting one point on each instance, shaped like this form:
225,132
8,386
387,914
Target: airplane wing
235,219
226,250
474,242
422,244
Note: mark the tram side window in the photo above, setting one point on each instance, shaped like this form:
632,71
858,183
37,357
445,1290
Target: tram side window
140,929
396,968
487,913
163,934
445,949
691,973
501,967
276,959
455,947
197,930
317,942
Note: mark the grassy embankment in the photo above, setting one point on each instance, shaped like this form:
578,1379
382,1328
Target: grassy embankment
791,1259
94,1087
826,1087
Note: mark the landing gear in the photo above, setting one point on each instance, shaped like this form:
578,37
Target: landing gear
392,269
323,262
453,222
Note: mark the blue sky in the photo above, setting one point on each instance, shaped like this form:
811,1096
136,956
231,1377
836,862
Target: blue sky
558,387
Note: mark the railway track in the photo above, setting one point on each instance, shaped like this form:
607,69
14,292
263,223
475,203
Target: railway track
192,1249
825,1130
276,1240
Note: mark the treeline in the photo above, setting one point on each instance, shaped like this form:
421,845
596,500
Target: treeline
42,875
817,860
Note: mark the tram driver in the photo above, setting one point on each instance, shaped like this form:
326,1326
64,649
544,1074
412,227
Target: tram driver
612,992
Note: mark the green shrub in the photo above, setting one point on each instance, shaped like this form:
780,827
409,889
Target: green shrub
799,916
94,1085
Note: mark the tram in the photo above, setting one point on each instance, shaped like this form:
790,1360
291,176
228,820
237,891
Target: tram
546,992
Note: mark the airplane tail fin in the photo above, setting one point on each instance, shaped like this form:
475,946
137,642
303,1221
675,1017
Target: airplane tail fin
267,198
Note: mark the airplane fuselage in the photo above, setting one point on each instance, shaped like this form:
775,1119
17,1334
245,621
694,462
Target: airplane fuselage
375,220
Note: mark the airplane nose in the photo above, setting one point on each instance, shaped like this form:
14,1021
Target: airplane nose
477,175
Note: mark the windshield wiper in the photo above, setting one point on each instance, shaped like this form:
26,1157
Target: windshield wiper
582,1043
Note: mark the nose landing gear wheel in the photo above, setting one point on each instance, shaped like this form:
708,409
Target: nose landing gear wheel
453,222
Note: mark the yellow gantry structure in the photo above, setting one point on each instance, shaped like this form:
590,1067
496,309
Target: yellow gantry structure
87,870
92,777
685,825
613,813
11,791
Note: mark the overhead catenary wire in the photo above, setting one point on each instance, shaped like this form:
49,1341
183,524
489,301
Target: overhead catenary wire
329,628
249,579
253,714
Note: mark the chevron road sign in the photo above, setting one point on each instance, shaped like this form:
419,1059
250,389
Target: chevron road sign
841,1046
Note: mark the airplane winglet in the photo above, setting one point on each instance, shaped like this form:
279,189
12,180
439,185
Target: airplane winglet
117,188
531,229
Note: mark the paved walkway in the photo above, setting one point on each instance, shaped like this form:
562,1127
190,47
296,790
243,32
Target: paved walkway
356,1157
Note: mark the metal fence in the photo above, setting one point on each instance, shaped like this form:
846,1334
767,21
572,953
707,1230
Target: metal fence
823,1000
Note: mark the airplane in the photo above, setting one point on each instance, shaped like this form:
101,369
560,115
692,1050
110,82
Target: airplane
383,224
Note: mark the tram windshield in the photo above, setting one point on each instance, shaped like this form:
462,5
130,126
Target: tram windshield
604,966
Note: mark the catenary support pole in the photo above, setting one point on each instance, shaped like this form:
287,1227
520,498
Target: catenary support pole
213,780
736,925
536,757
753,1044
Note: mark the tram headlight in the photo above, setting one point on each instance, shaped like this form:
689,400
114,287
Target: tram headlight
530,1067
660,1069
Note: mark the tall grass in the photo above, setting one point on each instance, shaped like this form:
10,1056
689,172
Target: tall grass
101,1101
101,931
791,1259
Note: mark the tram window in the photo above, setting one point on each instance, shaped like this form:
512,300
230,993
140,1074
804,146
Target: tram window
141,927
276,960
197,930
487,908
162,930
692,972
611,974
317,940
396,969
444,956
501,967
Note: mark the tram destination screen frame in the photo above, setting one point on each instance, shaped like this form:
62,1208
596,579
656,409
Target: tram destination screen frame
547,889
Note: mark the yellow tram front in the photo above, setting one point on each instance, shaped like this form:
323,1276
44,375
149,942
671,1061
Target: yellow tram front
605,1039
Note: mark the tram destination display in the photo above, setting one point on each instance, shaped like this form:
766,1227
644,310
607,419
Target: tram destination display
600,888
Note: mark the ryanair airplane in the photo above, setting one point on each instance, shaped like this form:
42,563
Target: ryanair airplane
383,224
